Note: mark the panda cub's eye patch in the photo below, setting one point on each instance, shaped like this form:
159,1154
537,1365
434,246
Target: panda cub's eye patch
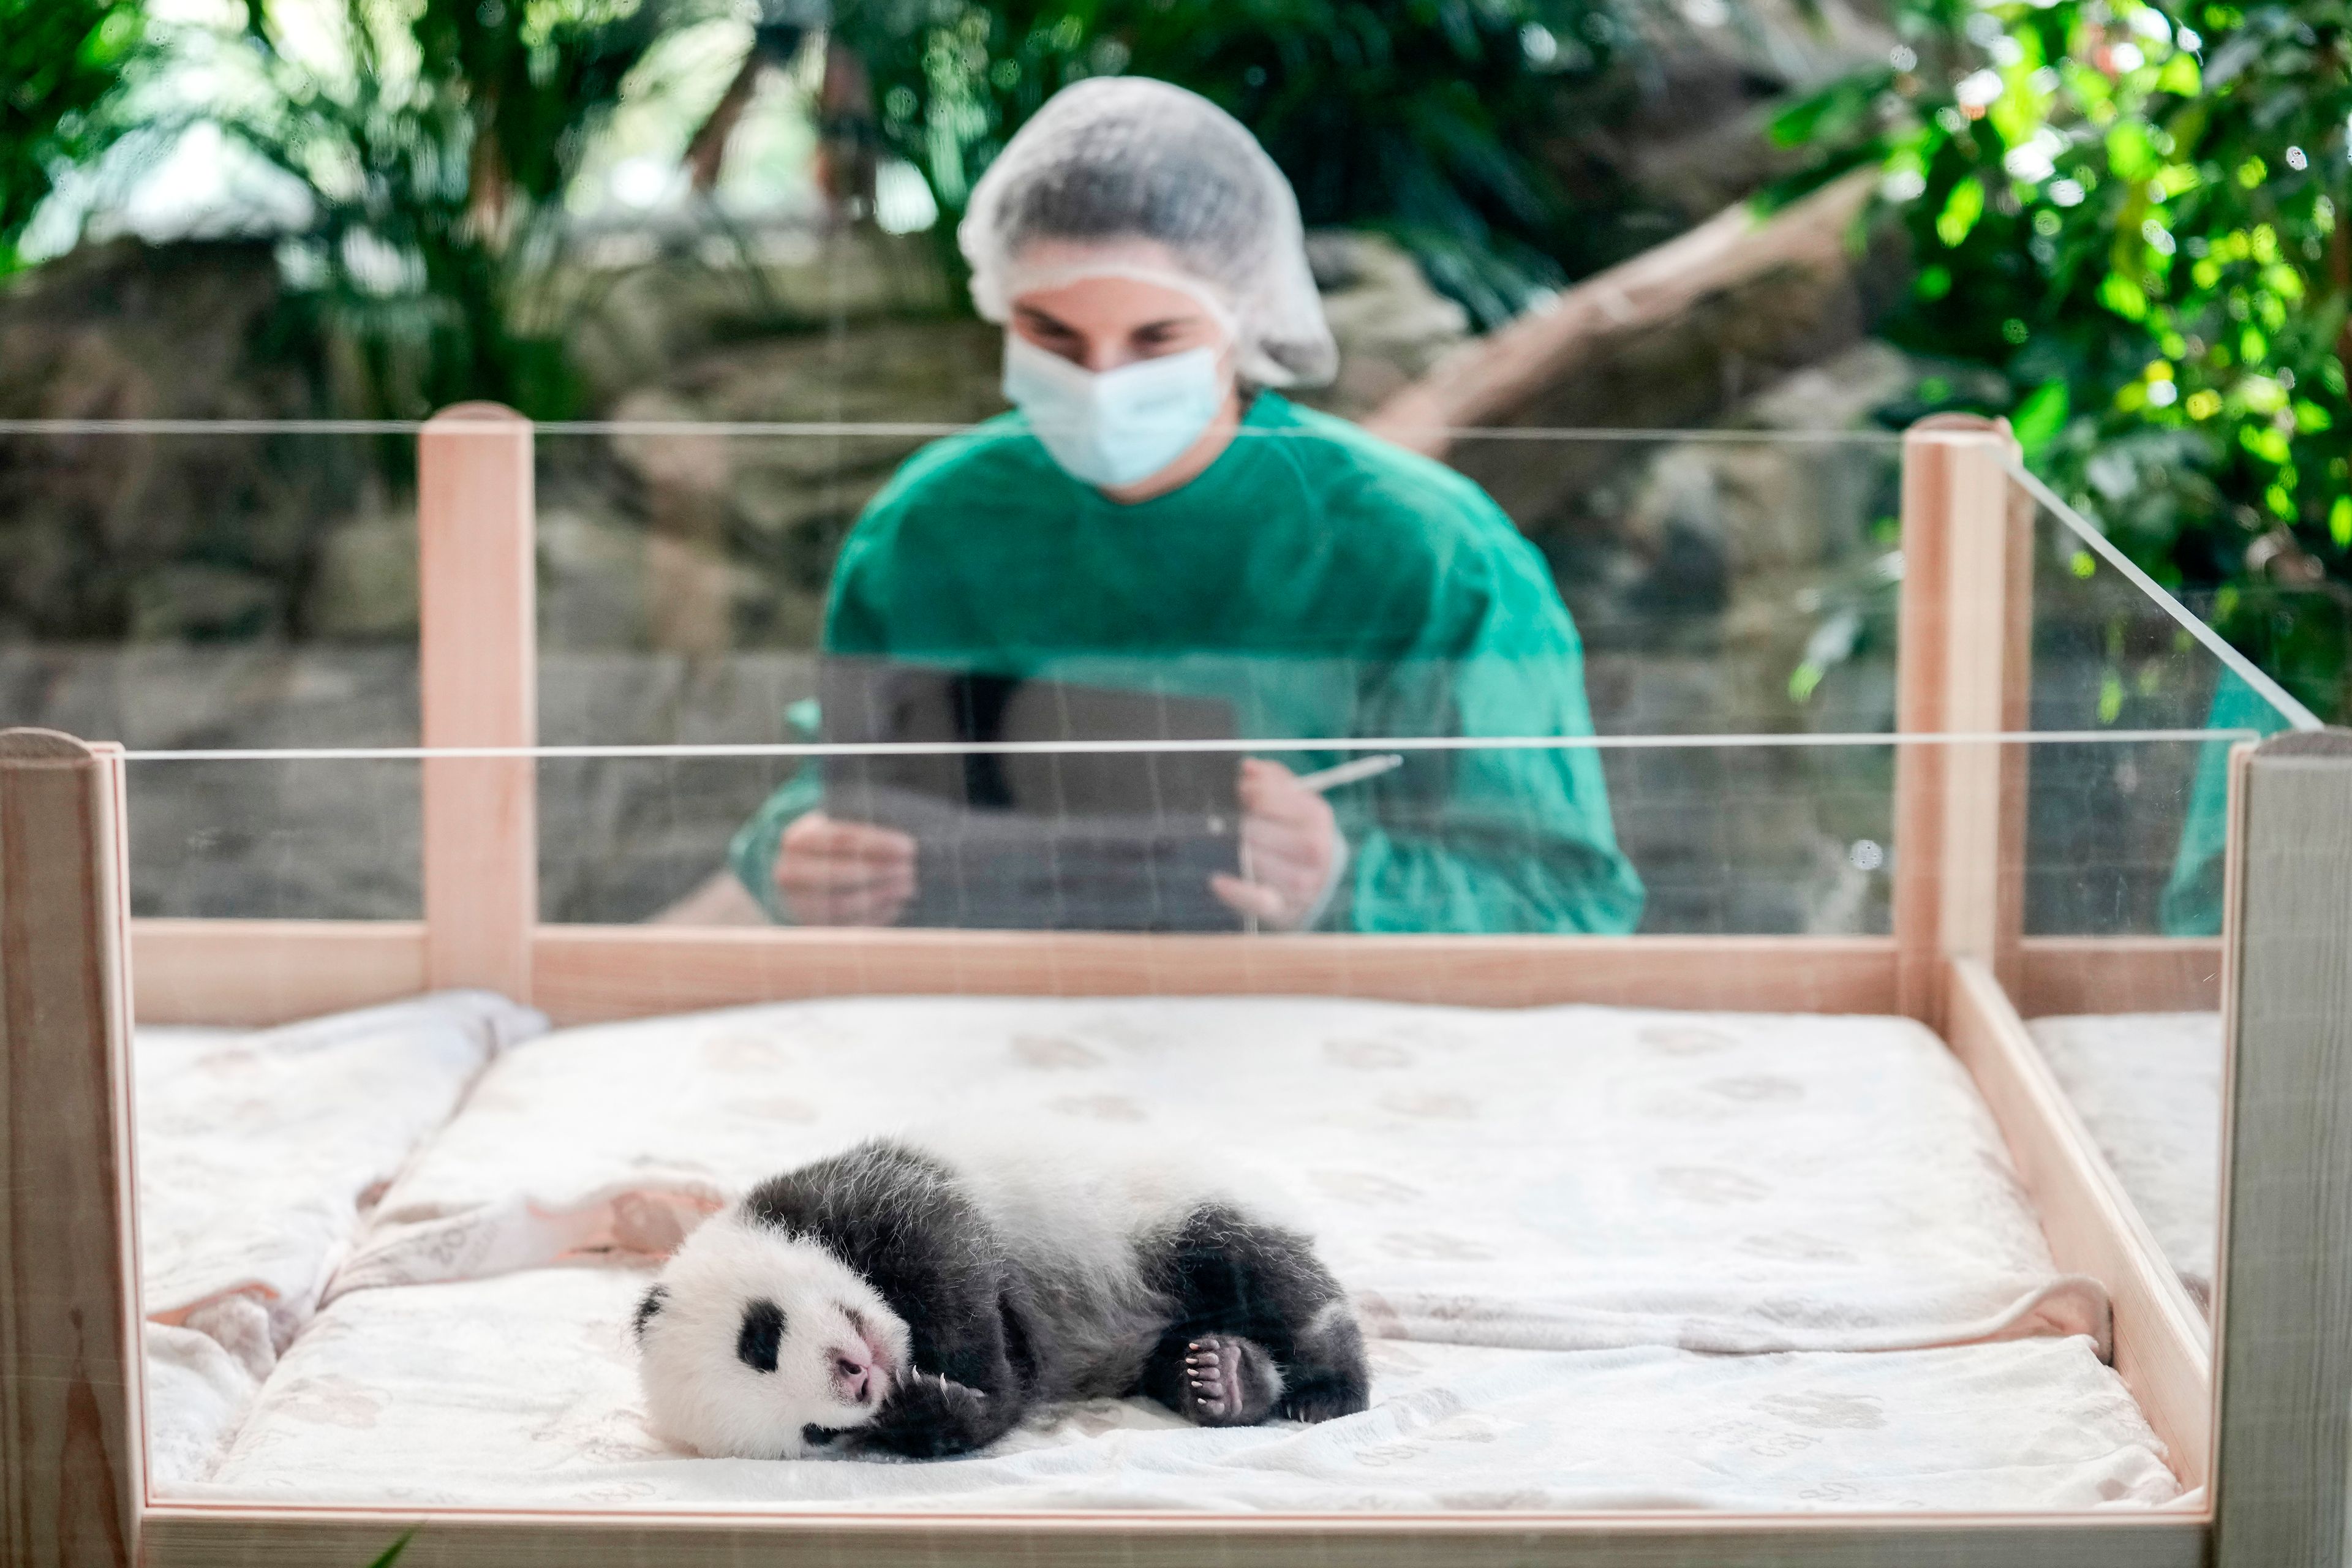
649,1308
762,1331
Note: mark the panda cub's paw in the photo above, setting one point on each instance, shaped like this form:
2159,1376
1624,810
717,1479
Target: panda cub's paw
1228,1381
1326,1399
928,1416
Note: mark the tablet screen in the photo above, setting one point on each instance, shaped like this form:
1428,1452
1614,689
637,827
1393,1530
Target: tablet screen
1065,840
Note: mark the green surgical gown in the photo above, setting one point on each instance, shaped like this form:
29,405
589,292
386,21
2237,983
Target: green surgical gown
2192,897
1327,584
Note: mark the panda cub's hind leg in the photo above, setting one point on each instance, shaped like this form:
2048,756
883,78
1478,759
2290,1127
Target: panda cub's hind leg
1262,1330
1214,1379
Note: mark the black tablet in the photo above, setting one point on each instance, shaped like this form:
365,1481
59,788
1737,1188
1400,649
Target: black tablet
1039,841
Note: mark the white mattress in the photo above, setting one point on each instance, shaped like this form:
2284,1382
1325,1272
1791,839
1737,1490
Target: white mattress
520,1391
1562,1178
1544,1216
2149,1087
258,1152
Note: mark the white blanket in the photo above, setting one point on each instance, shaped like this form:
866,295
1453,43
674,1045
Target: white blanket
1562,1178
520,1391
258,1152
2148,1086
197,1397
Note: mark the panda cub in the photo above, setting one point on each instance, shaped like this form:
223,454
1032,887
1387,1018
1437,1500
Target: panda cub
896,1300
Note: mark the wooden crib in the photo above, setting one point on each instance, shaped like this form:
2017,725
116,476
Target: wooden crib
2259,1421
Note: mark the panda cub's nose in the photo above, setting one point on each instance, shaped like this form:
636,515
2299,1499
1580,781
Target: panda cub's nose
855,1379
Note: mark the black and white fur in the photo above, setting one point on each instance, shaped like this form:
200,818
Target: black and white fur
898,1300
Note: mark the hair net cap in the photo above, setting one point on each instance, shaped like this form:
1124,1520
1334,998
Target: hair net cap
1126,159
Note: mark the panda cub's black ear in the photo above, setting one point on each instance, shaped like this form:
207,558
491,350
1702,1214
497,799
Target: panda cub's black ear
648,1309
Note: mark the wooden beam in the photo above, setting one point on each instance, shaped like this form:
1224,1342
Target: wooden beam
259,974
2011,609
256,974
1959,807
72,1458
267,1537
593,973
2118,974
2092,1226
478,658
1487,380
2283,1313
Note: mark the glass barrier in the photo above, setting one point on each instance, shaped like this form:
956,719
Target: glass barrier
2125,838
1718,581
206,585
1654,696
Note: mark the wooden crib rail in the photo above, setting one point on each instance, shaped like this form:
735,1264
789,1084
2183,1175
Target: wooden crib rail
478,656
2282,1306
258,972
71,1454
2091,1224
1963,665
287,1538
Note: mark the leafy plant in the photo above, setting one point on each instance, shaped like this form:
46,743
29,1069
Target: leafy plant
60,60
2138,214
1423,118
435,142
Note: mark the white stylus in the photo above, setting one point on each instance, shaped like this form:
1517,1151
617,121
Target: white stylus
1350,773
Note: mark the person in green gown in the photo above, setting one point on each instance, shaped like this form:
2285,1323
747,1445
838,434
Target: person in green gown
1153,515
2191,904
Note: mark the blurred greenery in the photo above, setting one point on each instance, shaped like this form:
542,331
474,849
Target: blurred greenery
60,60
2137,215
1425,119
434,143
436,164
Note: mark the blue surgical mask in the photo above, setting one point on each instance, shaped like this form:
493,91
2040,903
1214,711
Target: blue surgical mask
1114,427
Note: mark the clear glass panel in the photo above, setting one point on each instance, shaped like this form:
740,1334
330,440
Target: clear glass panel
1719,583
444,1219
297,840
2126,836
195,586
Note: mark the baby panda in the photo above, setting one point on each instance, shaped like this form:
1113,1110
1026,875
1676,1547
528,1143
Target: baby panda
896,1300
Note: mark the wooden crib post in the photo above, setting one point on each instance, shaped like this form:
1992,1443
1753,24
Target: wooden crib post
72,1470
2282,1315
1963,665
477,587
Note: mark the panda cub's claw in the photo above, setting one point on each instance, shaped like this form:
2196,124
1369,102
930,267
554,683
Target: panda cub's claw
1228,1381
1319,1403
931,1416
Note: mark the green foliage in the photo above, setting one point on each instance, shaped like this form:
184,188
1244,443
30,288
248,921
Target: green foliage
2139,216
436,161
60,60
392,1553
1423,117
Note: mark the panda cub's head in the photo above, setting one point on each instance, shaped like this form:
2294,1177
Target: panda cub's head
758,1344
